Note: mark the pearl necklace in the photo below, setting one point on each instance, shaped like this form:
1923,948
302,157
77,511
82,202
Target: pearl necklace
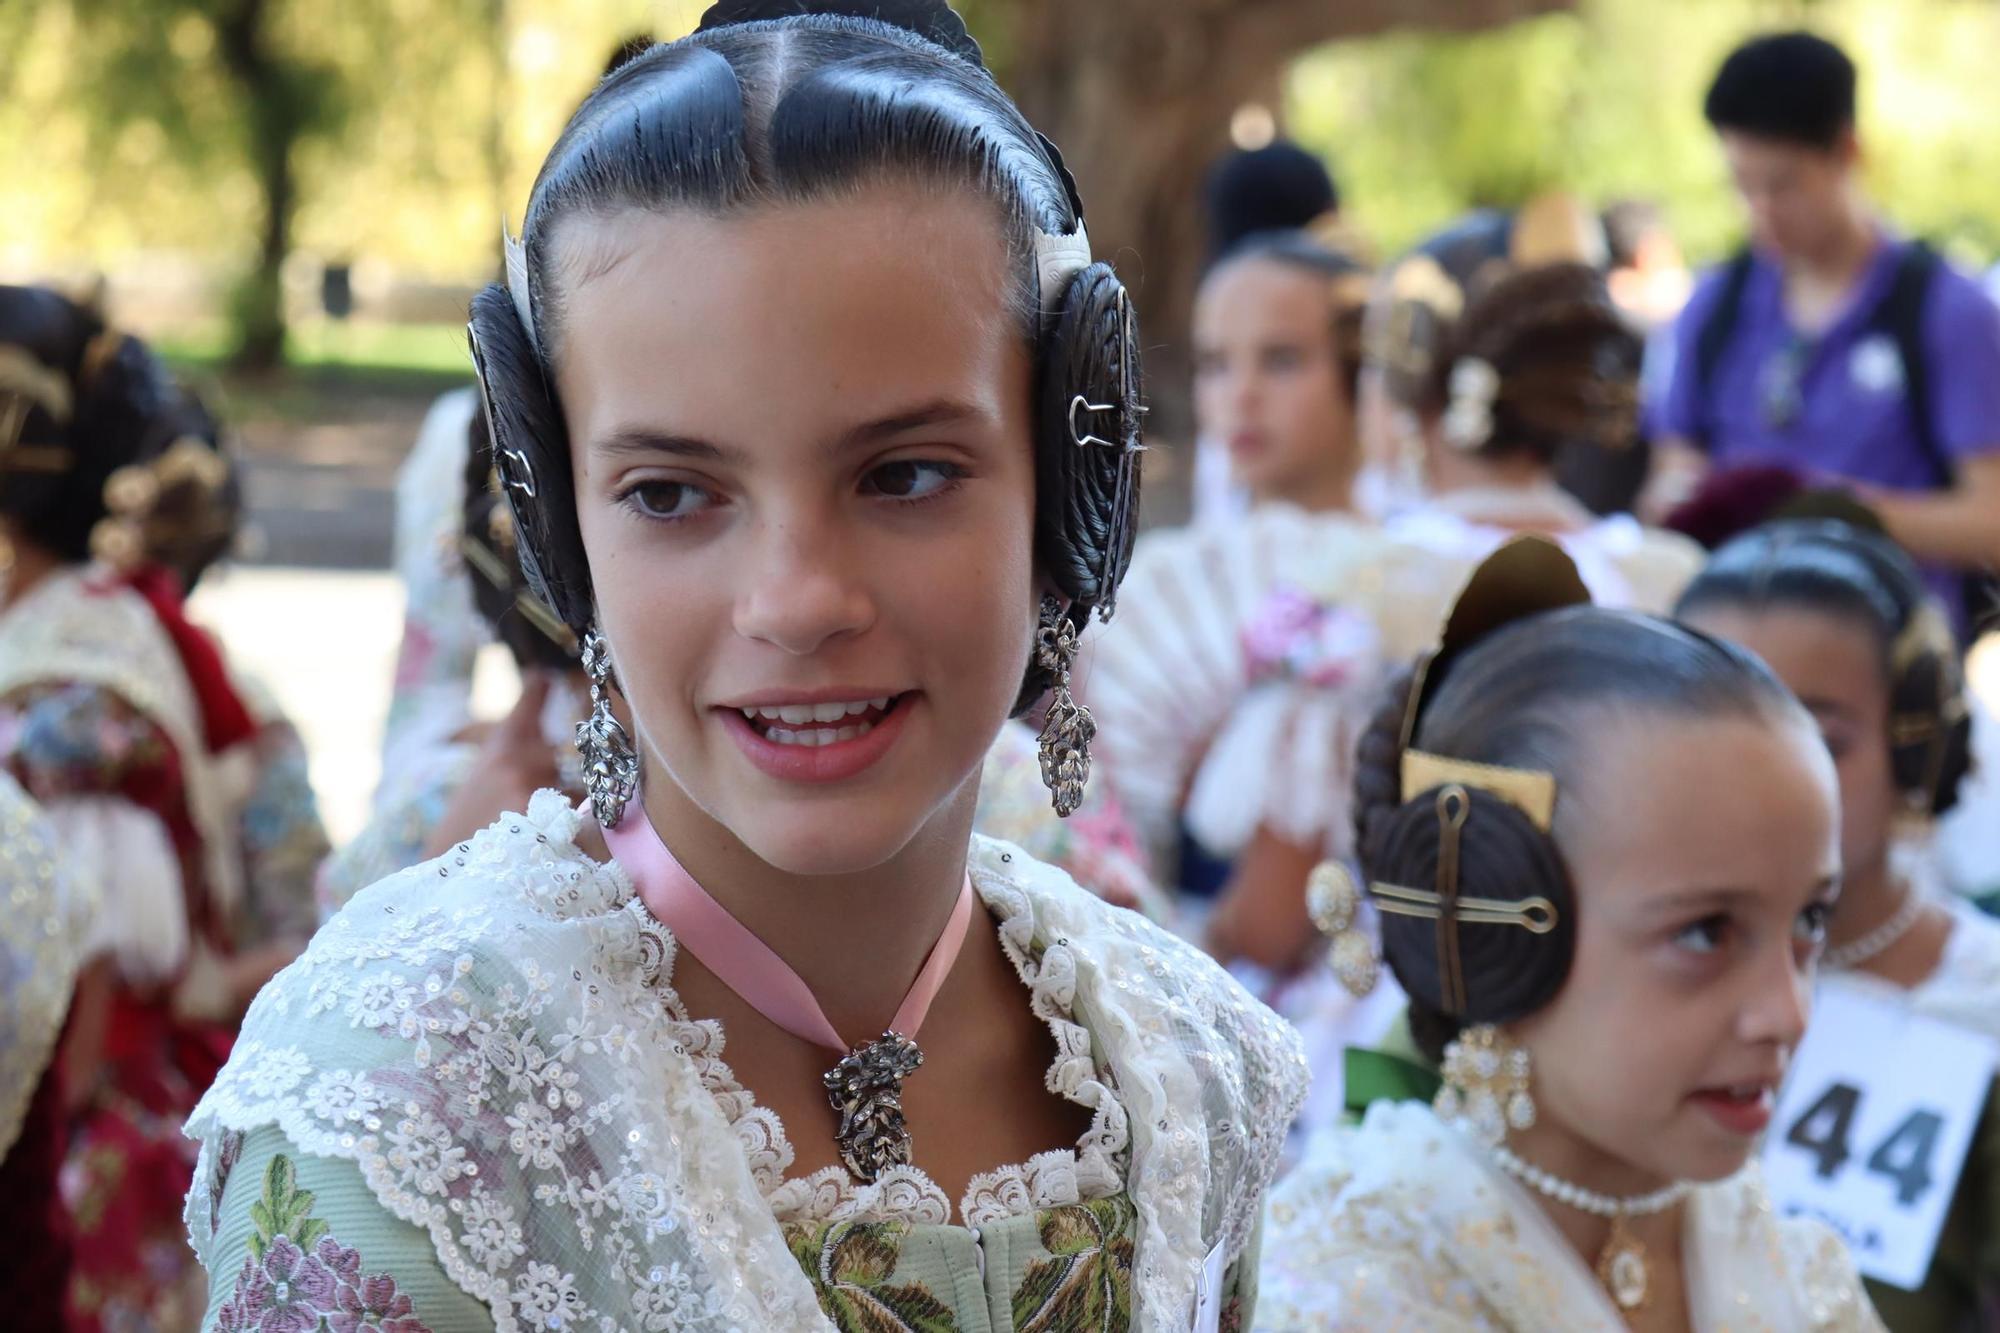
1856,952
1621,1264
1588,1201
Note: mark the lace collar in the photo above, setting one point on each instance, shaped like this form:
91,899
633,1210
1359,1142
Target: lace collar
482,1038
1093,1169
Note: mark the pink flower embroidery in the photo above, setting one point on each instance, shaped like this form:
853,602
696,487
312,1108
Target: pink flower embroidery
374,1306
284,1294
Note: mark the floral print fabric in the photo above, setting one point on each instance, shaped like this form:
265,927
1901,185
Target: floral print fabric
1073,1274
299,1278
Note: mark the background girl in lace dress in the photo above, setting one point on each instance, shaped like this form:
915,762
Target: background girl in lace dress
818,425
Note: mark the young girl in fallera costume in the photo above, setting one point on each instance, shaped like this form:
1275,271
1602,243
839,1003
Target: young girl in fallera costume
173,792
1845,620
819,428
1612,1003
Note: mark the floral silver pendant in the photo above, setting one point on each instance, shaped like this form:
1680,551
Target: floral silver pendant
866,1088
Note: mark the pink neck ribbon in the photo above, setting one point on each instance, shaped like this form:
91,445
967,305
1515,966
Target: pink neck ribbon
747,965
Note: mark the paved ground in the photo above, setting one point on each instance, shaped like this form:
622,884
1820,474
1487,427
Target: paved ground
324,641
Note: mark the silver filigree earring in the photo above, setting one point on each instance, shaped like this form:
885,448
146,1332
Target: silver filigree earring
1067,731
610,764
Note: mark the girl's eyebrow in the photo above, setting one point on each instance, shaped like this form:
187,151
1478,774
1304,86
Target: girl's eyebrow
1715,899
645,440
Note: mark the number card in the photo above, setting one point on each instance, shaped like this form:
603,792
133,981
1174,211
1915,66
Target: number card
1873,1126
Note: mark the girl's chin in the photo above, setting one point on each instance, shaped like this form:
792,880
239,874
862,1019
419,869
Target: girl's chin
828,845
1710,1162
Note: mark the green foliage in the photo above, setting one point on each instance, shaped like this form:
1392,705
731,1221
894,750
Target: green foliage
126,145
1607,101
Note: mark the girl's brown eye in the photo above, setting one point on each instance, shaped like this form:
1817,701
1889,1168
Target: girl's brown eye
666,499
911,479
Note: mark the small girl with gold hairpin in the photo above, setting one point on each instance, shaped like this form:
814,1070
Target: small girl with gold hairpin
1612,1001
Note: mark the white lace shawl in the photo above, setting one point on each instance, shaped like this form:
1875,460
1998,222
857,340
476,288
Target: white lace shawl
63,630
44,920
1400,1222
481,1036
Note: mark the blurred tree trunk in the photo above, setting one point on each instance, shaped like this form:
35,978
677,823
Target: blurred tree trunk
1139,93
275,120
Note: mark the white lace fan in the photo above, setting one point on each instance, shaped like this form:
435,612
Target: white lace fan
1170,669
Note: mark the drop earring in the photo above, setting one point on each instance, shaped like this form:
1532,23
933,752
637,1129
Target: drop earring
1064,745
610,765
1486,1078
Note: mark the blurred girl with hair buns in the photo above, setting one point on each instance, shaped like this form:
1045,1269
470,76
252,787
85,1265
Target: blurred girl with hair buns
1505,388
176,793
1611,1002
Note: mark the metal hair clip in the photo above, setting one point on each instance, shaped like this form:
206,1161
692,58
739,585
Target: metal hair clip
1536,915
518,475
1080,437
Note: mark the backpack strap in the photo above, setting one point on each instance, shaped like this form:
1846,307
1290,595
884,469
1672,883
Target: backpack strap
1901,317
1713,339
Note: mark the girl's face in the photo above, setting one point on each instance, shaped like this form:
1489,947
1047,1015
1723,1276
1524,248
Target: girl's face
1267,380
805,480
1705,856
1834,665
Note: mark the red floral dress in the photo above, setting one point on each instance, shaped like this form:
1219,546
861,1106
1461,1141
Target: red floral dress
105,725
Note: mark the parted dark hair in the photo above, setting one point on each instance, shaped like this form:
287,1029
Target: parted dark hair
1835,569
1793,87
1568,363
778,101
1530,695
121,408
1301,250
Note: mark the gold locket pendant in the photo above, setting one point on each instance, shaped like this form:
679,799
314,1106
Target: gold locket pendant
1622,1267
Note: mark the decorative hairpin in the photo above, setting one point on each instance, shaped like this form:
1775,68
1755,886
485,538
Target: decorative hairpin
1527,576
25,384
132,492
1468,413
1333,900
517,285
1531,792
